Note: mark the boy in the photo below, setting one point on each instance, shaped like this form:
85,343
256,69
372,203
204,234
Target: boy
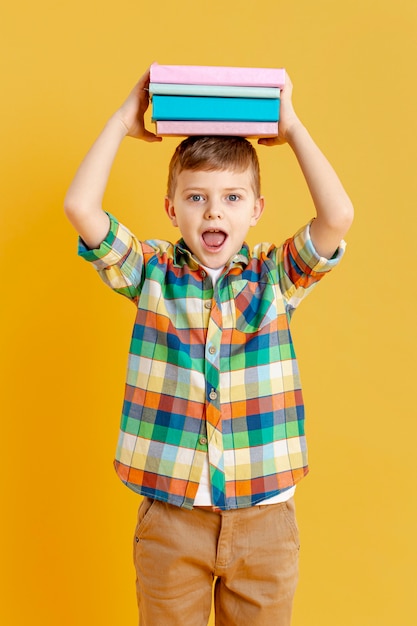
212,431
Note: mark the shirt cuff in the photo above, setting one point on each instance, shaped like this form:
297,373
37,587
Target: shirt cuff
111,250
309,255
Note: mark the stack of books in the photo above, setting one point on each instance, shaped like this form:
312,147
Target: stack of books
208,100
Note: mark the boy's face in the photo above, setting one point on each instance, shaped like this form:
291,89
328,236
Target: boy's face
214,211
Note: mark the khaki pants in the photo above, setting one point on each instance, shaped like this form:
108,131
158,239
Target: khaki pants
252,554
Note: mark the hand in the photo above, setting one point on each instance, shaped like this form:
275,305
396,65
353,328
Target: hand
287,117
132,111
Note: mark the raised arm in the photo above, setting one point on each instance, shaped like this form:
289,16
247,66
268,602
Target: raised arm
83,202
333,206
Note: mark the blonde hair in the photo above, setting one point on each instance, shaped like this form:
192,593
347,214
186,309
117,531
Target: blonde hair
214,153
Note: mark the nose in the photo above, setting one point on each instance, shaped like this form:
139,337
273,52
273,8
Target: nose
213,211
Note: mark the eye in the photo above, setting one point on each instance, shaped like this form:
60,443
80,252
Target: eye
233,197
196,197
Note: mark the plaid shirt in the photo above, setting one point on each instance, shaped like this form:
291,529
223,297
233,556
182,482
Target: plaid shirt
211,371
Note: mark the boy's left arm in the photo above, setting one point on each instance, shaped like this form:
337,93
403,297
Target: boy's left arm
333,206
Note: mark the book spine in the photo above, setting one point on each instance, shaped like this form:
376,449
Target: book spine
215,109
212,75
236,129
225,91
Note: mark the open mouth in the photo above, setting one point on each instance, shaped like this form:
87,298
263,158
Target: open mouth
214,239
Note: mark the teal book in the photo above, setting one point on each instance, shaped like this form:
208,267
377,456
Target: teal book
215,109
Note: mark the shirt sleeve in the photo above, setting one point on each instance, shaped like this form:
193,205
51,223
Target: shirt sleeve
301,267
119,259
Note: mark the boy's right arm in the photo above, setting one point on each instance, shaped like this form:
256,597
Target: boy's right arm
83,202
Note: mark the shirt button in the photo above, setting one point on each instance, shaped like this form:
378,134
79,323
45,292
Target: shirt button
207,304
212,350
203,274
203,441
212,395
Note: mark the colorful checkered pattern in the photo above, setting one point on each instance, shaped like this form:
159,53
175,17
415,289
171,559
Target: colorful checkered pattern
211,371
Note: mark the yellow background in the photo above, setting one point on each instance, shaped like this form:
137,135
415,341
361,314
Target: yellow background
67,521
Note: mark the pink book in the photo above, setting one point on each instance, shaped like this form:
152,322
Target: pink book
236,129
218,75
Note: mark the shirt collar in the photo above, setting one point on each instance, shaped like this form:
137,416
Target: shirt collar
183,255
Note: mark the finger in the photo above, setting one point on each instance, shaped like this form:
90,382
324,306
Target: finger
150,137
143,82
268,141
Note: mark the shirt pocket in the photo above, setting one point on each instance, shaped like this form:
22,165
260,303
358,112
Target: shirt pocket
253,305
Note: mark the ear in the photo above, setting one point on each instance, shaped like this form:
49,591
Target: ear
257,210
170,211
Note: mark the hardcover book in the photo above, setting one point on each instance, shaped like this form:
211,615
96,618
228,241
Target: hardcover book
217,75
224,91
232,129
215,109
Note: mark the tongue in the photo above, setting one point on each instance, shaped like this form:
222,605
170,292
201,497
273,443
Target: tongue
213,240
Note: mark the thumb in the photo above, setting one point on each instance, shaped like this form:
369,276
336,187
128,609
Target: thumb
150,137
